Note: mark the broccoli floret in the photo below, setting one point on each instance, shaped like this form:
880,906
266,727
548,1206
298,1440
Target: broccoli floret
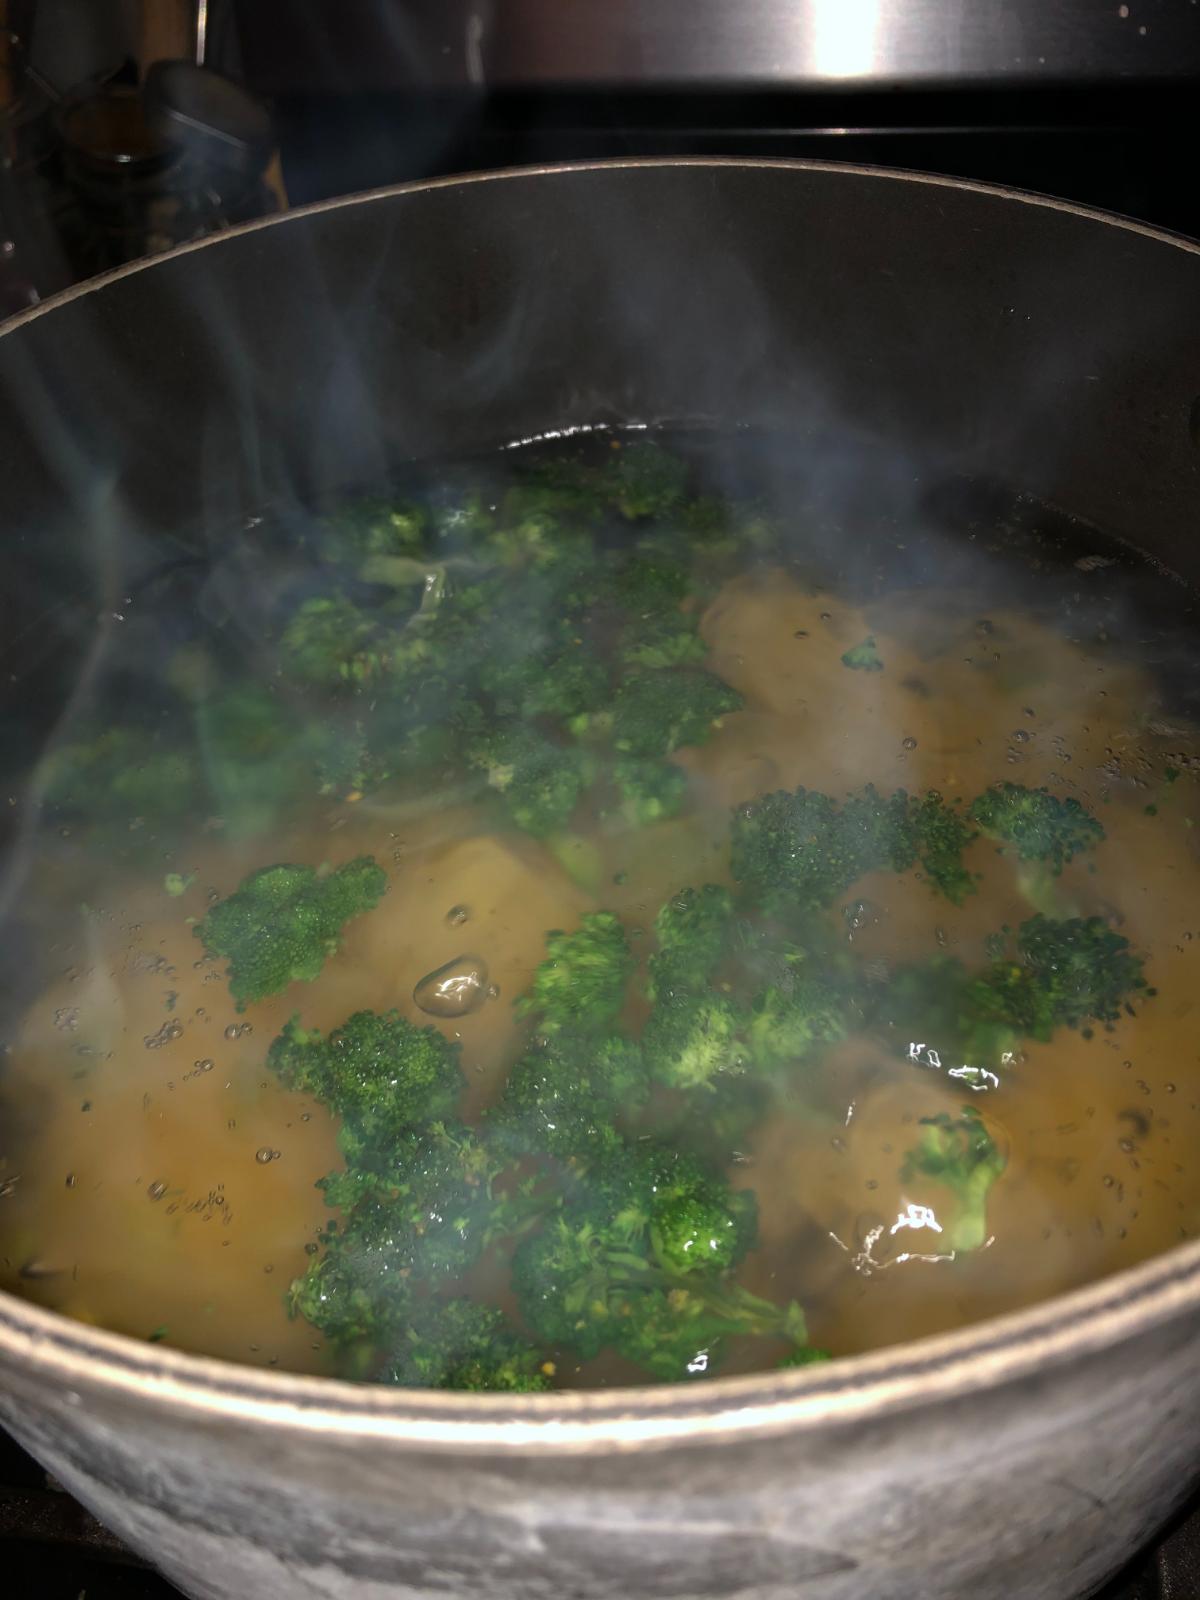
568,685
564,1097
581,984
649,1226
698,1224
331,644
693,929
539,781
655,713
460,1344
123,772
690,1038
960,1153
361,529
1085,970
1042,827
379,1072
797,851
678,1332
281,923
863,657
940,836
643,480
650,791
659,641
415,1214
807,1356
787,1024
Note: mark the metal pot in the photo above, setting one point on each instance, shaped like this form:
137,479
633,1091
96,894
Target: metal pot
977,331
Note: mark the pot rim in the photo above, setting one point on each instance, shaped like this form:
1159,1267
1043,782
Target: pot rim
79,1359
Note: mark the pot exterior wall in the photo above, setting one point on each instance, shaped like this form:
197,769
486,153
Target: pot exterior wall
1036,1489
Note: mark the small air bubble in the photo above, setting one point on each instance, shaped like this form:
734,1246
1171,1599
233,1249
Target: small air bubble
72,1180
306,1116
264,1155
157,1190
310,1249
800,633
909,742
457,915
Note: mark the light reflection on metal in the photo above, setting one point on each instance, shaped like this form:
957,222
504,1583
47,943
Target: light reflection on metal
201,31
844,36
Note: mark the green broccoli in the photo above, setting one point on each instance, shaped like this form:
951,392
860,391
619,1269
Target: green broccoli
788,1023
640,1260
863,657
572,684
540,781
564,1097
643,480
329,643
1042,827
690,1038
650,791
378,1071
124,772
960,1153
660,641
281,923
416,1214
939,838
693,929
655,713
460,1344
358,530
581,983
797,851
1086,971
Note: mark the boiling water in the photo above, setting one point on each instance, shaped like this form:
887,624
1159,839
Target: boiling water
157,1180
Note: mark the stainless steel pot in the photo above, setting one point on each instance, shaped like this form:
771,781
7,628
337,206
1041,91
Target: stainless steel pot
976,331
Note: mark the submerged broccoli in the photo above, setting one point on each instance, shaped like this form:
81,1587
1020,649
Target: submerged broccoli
863,657
655,713
124,772
644,480
1042,827
378,1071
281,923
539,781
960,1153
690,1038
1062,974
414,1215
797,851
565,1096
1085,971
789,1022
361,529
460,1344
641,1261
330,643
581,983
650,791
939,838
693,930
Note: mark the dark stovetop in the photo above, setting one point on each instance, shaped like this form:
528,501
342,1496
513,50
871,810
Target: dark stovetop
51,1548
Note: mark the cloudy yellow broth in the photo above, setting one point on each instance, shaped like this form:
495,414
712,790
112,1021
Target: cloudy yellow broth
159,1182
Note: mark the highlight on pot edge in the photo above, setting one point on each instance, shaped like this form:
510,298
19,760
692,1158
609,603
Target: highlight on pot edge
591,916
